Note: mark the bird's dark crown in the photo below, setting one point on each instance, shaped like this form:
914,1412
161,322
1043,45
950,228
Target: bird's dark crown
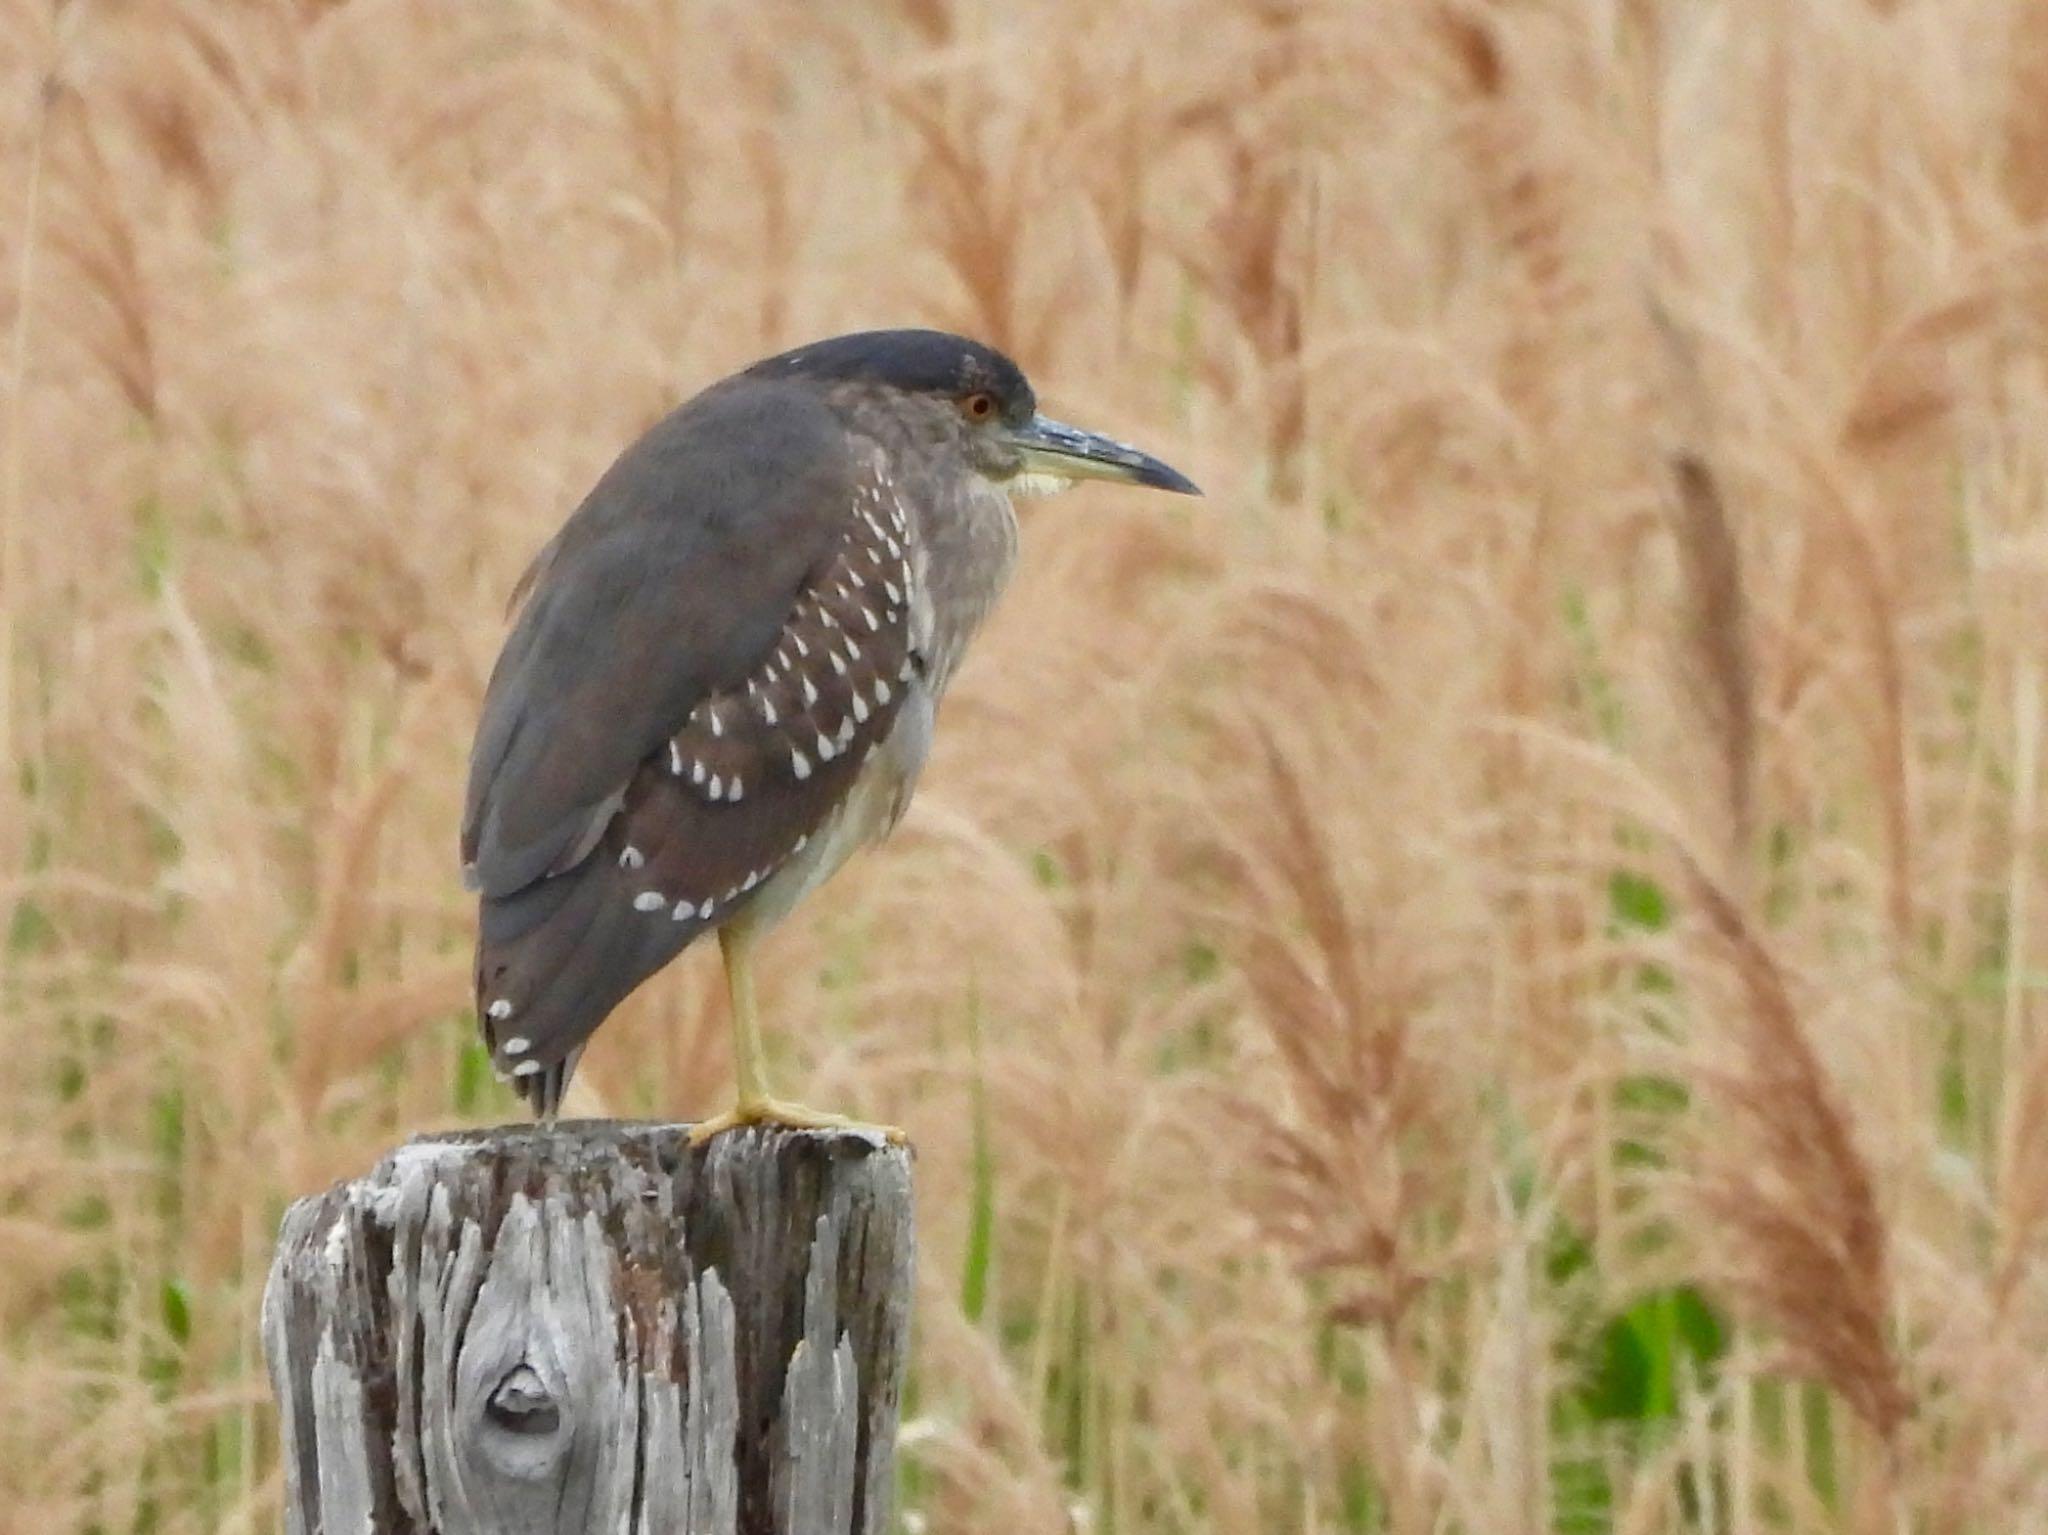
916,361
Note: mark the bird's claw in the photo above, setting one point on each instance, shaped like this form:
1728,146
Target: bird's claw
788,1116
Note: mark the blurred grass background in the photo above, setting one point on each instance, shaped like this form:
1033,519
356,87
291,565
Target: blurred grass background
1483,978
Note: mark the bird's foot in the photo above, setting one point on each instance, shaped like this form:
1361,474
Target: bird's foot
790,1116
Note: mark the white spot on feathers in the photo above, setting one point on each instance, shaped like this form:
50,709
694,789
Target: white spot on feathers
526,1069
630,857
500,1009
800,764
649,900
518,1044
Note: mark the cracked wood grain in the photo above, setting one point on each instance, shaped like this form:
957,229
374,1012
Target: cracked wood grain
596,1328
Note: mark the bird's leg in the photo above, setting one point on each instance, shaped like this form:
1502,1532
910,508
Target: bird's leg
755,1106
750,1059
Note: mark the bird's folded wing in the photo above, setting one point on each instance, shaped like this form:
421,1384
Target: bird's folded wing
741,693
692,620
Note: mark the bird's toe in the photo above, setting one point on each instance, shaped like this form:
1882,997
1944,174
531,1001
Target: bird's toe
783,1115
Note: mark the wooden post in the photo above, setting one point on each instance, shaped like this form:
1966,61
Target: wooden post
596,1328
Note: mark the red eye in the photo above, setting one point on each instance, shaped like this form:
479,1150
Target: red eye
978,406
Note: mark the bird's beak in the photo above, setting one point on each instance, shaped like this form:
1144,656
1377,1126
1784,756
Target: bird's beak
1052,450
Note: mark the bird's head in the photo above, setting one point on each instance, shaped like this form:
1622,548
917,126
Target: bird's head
959,398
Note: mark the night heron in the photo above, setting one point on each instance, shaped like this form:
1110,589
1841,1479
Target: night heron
725,671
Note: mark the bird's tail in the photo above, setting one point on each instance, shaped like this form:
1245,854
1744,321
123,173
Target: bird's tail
554,959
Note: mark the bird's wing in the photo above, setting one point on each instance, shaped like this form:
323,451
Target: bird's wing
710,651
674,583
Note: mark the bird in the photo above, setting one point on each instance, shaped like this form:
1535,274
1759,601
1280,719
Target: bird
721,676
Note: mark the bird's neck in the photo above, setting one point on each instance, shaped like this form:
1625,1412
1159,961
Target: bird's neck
968,546
963,529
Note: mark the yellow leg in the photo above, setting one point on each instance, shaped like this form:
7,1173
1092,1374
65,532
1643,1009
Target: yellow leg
736,947
755,1106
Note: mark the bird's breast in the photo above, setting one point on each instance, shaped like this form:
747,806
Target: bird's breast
872,807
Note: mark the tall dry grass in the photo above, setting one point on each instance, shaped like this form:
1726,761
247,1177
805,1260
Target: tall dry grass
1484,978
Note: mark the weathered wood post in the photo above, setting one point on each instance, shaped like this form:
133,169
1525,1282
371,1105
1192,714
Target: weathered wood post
596,1328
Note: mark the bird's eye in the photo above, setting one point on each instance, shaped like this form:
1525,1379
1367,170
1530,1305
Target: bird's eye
978,406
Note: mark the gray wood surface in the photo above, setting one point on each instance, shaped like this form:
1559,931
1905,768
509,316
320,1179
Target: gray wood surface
596,1328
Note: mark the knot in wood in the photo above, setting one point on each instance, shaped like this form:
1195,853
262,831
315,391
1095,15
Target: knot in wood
597,1328
522,1404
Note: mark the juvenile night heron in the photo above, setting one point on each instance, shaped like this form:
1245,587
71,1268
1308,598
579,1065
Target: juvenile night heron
726,670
